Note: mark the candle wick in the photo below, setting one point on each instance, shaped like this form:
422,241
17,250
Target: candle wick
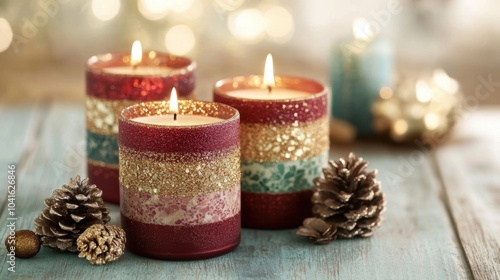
269,89
175,116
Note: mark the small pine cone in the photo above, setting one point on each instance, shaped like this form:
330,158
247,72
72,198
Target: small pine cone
69,212
317,230
349,198
101,244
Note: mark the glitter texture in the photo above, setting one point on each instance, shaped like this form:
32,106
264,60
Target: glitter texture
179,174
180,185
182,242
275,211
281,143
102,114
102,148
224,135
275,112
281,177
277,143
108,94
140,88
105,177
189,210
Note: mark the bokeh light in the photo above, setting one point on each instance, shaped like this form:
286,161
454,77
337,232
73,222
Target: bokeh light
153,9
423,91
105,9
432,121
180,39
180,6
444,81
158,9
227,5
247,24
400,127
279,23
386,93
6,34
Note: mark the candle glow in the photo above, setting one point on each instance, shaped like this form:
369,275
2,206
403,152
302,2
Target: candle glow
136,54
174,105
360,28
269,73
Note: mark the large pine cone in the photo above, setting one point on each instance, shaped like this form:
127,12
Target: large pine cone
349,198
69,212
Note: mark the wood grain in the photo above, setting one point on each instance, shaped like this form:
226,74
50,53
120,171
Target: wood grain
417,240
469,167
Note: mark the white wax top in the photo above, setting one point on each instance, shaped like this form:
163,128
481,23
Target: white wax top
182,120
139,70
276,94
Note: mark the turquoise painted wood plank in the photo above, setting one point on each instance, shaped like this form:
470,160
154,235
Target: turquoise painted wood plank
35,175
472,182
18,124
416,240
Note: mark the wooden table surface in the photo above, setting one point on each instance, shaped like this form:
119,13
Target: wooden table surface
442,219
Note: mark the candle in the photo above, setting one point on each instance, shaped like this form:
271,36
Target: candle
360,67
180,179
277,94
182,121
284,144
139,71
115,81
173,119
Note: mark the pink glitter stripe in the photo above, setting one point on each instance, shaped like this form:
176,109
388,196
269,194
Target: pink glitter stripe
179,211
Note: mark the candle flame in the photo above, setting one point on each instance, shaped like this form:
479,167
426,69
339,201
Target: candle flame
360,28
174,105
136,53
269,73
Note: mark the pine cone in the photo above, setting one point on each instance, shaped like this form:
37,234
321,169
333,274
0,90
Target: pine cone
349,198
317,230
100,244
69,212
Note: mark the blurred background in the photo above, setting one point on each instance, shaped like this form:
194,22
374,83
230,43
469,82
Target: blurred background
44,44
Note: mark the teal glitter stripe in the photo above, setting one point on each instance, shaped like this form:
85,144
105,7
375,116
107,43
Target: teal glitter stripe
281,177
103,148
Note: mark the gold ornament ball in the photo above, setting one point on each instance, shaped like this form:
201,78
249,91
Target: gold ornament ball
26,243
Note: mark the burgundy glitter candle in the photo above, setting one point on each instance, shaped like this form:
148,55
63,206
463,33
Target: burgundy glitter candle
180,185
112,84
284,145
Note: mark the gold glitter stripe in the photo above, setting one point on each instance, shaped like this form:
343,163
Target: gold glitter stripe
102,164
175,157
102,114
190,176
278,143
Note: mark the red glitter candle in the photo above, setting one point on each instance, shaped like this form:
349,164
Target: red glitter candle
180,180
284,145
113,84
